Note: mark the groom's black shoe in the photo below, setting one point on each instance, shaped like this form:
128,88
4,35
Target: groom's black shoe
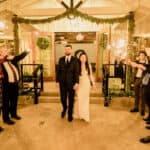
16,117
134,110
63,113
1,129
70,118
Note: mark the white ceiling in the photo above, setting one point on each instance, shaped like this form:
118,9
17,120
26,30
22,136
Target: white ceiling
103,7
42,8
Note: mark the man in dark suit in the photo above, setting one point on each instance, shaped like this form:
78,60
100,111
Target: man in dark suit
10,85
139,102
68,78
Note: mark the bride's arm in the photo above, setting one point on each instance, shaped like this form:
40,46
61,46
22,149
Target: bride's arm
91,77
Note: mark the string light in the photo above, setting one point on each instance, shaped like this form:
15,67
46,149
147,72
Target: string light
2,25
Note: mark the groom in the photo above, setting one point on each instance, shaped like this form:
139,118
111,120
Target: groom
68,78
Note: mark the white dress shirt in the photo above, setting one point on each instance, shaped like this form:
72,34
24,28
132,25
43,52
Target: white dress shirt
68,58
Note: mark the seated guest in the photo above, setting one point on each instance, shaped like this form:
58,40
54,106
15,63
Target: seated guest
10,85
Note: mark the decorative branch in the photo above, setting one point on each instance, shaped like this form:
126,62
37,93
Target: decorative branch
16,35
129,17
85,16
78,5
71,3
73,11
64,4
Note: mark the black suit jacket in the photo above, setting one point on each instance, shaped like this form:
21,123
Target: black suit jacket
68,74
14,61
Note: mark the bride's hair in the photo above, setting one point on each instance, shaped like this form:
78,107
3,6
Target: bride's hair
86,63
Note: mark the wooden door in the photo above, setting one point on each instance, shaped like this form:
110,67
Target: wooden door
43,52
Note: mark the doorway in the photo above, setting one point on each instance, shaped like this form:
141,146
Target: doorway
79,40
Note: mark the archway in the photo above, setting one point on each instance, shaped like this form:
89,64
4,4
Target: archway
73,11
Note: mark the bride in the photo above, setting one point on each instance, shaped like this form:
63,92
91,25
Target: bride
81,110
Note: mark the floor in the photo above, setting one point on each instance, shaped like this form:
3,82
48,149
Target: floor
110,128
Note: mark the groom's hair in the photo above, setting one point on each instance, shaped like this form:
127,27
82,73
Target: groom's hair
68,45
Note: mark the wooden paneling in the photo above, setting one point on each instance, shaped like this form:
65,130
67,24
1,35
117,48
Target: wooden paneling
70,37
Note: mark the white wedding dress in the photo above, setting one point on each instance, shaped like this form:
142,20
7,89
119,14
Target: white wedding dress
81,108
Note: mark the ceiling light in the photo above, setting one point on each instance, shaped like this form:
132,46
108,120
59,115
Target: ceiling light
71,16
2,25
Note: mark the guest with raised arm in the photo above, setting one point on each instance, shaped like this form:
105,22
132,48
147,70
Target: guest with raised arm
139,104
10,82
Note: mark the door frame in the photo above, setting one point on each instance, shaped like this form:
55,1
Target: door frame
99,64
52,63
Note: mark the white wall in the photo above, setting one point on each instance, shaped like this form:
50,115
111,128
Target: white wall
90,49
142,26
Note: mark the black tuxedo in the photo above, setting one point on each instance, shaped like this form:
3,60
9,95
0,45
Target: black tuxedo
67,75
10,90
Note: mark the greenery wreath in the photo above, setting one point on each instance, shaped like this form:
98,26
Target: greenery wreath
42,43
16,20
103,41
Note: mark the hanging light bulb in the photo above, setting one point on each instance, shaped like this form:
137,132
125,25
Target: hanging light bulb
71,16
121,43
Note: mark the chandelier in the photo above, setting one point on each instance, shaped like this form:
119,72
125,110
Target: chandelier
71,4
71,7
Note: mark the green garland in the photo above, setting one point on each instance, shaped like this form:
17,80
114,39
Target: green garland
103,40
43,43
16,20
16,37
129,17
77,13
